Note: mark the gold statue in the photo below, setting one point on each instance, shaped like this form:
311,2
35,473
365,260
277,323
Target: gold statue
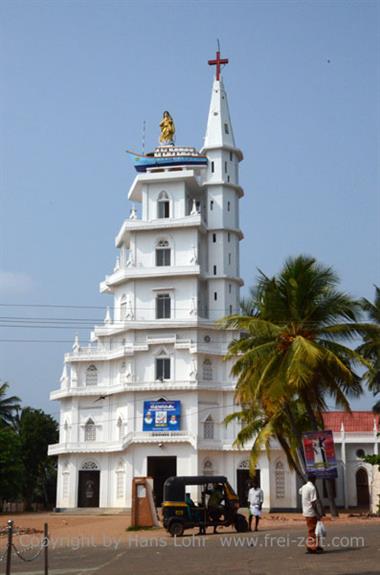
167,129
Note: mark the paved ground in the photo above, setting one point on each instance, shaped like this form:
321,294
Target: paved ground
351,548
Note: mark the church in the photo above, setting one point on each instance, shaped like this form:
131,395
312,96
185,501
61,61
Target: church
149,395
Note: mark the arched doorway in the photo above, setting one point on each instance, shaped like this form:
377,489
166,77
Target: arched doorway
88,485
362,489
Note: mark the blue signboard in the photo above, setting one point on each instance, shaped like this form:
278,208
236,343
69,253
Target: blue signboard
162,415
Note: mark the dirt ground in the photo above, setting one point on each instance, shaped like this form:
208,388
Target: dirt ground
65,527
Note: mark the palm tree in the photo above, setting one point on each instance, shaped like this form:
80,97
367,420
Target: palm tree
370,349
9,406
292,356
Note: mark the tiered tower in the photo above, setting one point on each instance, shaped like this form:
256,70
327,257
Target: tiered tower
150,394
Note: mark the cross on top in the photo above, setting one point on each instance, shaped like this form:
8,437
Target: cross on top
218,62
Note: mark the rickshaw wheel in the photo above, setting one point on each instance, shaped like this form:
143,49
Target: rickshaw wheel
176,529
241,524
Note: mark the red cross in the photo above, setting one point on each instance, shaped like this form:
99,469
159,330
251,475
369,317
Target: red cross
217,62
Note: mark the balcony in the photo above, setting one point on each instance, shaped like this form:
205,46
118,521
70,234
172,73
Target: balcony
160,224
130,438
135,272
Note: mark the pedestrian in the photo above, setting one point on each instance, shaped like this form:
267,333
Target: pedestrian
255,500
311,513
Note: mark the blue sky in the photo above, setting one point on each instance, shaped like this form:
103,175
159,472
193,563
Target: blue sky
80,77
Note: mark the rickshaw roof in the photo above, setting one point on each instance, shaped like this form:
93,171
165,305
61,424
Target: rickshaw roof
174,487
194,480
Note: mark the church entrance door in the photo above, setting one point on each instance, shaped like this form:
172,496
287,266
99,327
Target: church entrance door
88,488
160,468
242,482
362,488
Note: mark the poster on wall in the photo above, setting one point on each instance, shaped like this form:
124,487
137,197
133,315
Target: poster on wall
162,415
319,450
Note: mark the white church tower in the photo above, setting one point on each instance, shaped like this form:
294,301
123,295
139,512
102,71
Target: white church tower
149,395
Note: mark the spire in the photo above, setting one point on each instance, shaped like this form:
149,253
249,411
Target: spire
219,132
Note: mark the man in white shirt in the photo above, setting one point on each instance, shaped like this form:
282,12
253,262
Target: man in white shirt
255,500
311,513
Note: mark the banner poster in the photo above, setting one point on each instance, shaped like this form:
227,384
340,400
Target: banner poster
162,415
319,450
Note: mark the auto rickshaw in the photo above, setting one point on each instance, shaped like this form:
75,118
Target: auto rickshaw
180,512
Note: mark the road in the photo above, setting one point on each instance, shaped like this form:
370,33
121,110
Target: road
350,549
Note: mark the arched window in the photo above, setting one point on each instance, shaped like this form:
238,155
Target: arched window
120,428
89,466
280,480
66,432
207,370
91,375
120,480
123,307
90,431
163,253
208,468
208,428
162,366
163,205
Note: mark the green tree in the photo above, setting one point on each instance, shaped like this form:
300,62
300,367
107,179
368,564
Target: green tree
36,431
11,466
9,406
292,356
370,348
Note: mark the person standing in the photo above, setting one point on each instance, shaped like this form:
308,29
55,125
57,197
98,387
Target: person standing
311,513
255,500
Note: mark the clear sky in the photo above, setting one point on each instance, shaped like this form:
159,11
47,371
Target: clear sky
78,80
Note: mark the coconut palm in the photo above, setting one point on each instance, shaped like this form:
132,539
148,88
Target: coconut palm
8,406
293,355
370,348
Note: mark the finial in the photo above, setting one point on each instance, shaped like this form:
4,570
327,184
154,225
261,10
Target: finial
107,319
218,62
76,346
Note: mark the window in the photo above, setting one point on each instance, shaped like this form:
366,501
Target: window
90,431
214,268
123,307
91,375
214,238
229,288
212,167
230,156
226,130
208,468
215,295
120,429
229,237
230,309
280,480
226,167
163,306
163,205
208,428
229,259
228,206
212,205
163,253
207,370
119,484
162,368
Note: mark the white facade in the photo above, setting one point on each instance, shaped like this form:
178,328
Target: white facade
176,273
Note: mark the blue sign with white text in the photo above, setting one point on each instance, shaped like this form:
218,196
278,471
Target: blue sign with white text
162,415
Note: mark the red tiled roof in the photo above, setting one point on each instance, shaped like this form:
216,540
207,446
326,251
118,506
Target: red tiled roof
356,421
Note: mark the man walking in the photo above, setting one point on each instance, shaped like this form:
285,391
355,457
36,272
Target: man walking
311,513
255,500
